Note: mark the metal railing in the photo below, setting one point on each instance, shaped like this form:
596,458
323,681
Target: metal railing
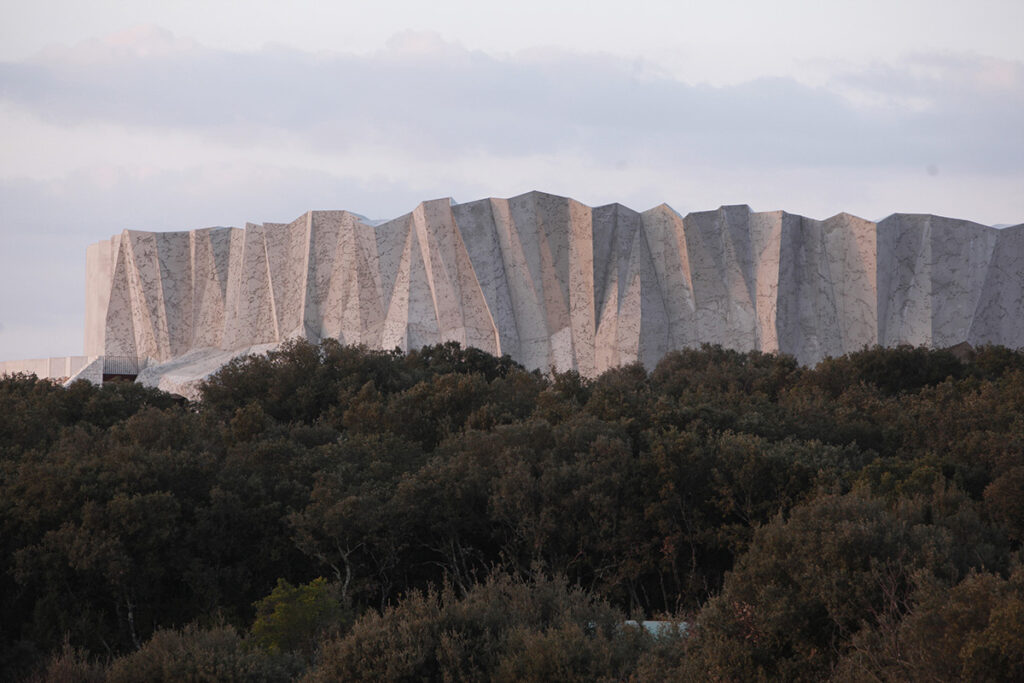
121,365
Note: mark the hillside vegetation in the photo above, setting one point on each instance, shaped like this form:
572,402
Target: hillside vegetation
330,512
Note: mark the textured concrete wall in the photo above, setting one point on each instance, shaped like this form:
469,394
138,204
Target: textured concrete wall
555,283
99,263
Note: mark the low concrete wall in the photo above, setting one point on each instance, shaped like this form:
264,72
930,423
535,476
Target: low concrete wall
60,367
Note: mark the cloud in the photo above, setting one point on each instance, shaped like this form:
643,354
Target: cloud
140,42
434,98
963,109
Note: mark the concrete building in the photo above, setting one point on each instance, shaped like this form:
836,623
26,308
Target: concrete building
553,283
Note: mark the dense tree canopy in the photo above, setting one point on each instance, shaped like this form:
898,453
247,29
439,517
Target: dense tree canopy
330,511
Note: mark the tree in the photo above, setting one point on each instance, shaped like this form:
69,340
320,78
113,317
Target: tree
293,618
501,629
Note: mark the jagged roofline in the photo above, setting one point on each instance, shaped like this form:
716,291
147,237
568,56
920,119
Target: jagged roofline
662,206
556,283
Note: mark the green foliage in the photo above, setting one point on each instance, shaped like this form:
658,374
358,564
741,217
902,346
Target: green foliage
805,585
197,654
1004,501
892,370
70,664
970,631
812,522
501,629
292,618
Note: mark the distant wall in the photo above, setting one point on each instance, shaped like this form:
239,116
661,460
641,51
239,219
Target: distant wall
46,368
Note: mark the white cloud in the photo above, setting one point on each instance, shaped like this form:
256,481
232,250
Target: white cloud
139,42
425,96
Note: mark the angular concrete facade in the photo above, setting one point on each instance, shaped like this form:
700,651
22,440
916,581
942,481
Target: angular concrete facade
555,283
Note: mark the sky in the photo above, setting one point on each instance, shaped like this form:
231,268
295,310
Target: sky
179,115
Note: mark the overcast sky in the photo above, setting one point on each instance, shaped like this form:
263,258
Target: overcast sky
178,115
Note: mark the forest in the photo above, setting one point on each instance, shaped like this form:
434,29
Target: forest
329,512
